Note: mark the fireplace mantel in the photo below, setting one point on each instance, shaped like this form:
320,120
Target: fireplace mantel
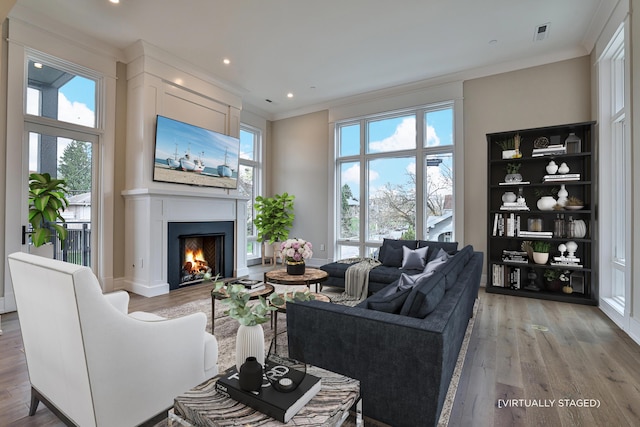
147,215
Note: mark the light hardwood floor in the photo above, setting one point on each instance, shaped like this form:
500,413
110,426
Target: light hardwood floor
521,348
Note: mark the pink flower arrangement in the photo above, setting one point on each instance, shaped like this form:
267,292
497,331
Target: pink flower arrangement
295,250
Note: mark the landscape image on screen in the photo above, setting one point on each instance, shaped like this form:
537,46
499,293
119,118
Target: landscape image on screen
188,154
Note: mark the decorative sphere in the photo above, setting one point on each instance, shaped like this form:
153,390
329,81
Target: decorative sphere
572,247
562,247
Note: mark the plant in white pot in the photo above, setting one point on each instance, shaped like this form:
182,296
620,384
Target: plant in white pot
274,218
250,336
47,201
540,251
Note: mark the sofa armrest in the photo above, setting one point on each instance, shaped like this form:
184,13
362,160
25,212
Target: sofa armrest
119,299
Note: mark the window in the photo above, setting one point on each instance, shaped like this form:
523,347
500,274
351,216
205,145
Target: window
249,183
615,172
394,178
60,101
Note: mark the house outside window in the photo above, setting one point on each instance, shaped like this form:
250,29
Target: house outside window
249,181
394,178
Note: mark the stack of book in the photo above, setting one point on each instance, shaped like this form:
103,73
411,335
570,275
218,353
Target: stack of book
278,405
514,206
515,256
250,285
566,261
561,177
536,234
550,150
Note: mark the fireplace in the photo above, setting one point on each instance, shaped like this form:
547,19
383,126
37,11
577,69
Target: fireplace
197,248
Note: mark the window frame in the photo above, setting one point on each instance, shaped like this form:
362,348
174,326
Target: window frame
363,243
257,165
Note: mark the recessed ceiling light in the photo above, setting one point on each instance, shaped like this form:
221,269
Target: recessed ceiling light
114,1
226,61
289,95
37,64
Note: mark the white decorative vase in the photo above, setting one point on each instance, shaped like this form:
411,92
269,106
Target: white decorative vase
563,194
540,257
249,342
552,168
546,203
563,169
509,197
580,228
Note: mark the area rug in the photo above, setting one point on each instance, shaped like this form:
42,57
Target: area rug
226,329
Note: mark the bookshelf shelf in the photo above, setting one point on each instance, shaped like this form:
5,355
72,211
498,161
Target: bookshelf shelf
510,271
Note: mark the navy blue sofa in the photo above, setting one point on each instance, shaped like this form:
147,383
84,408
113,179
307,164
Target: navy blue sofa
404,363
390,254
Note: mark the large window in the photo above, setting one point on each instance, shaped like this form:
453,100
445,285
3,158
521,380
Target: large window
615,172
394,178
249,180
60,123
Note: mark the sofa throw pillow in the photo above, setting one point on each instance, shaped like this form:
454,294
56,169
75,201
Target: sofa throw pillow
425,296
434,246
391,303
414,259
391,251
408,281
438,261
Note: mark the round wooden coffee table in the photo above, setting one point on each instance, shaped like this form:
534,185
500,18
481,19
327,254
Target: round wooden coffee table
310,276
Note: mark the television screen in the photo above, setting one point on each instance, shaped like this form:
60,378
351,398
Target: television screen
188,154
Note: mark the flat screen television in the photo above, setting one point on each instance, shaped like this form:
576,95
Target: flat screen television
188,154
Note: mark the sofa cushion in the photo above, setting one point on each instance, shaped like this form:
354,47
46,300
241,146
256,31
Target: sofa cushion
408,281
389,302
385,274
413,259
452,268
438,261
425,295
391,251
434,247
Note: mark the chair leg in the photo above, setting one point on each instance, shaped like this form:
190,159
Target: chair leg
34,402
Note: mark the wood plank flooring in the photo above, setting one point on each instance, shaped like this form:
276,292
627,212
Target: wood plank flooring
533,350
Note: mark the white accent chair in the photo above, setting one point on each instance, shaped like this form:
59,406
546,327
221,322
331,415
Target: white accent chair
93,364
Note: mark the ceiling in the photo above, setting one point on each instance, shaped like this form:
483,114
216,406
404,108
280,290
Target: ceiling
324,52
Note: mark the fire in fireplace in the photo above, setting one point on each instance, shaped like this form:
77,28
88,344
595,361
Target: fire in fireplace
195,248
199,256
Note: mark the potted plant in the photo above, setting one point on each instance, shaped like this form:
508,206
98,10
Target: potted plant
546,200
510,147
540,251
47,201
513,174
250,336
274,218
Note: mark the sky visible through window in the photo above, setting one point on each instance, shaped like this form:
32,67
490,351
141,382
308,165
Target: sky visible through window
386,135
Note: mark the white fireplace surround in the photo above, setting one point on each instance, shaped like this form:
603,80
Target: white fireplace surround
147,215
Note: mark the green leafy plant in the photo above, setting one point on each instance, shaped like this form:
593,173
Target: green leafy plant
274,217
563,275
513,167
47,201
237,298
507,144
540,246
